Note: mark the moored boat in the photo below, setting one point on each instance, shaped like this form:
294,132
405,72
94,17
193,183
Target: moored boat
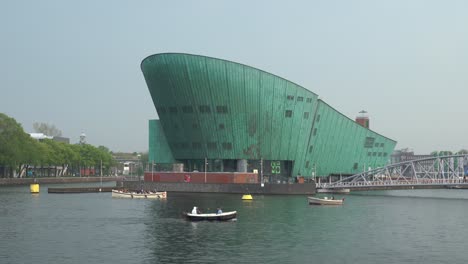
135,195
325,201
225,216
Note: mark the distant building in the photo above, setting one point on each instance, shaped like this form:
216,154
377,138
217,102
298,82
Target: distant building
83,138
403,155
40,136
127,163
363,119
62,139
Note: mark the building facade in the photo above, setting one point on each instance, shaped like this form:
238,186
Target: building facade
222,116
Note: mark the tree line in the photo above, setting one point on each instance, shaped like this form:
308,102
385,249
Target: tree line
448,152
21,155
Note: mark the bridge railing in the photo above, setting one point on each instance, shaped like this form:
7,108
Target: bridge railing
434,170
391,183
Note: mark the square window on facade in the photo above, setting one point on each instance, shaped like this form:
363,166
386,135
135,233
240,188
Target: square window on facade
204,109
300,98
318,118
173,109
211,145
222,109
227,145
187,109
315,131
221,126
306,115
311,148
288,113
369,142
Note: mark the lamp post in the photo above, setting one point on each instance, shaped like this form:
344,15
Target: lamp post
314,174
152,172
261,172
206,163
138,170
101,175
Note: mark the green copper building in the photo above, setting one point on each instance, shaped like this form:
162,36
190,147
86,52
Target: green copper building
239,118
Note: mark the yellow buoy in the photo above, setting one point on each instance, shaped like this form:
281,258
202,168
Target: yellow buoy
247,197
34,187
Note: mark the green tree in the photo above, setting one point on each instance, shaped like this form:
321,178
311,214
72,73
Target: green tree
145,160
15,146
442,153
19,152
462,152
106,159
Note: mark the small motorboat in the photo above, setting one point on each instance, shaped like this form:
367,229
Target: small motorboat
135,195
325,201
225,216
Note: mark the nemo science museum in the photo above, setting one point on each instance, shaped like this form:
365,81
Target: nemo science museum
221,116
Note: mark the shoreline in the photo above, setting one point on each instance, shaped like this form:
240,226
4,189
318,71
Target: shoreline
55,180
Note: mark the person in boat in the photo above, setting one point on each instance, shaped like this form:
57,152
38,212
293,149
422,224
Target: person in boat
219,211
195,210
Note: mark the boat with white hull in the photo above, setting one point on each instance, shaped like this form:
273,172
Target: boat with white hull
325,201
225,216
135,195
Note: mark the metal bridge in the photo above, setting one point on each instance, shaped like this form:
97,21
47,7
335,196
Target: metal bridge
434,172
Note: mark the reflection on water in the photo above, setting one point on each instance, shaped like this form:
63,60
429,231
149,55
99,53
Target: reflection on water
411,226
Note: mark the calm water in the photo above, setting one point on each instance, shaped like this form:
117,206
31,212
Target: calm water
411,226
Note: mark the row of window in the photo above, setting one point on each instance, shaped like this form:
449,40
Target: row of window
380,154
288,113
196,126
198,145
299,98
188,109
370,142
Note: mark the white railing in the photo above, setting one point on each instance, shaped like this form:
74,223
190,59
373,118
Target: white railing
446,170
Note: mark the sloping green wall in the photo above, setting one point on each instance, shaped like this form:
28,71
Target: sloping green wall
159,150
337,144
224,110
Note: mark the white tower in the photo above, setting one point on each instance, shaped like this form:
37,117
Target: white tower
83,138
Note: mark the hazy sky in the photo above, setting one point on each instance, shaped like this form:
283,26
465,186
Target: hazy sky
76,64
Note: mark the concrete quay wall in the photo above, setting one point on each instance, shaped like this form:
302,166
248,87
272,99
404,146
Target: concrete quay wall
27,181
244,188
